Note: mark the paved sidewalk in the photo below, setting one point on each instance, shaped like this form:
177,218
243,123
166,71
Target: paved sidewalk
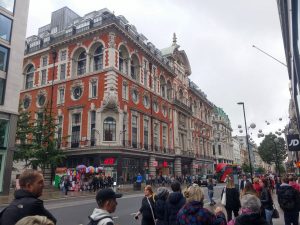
52,193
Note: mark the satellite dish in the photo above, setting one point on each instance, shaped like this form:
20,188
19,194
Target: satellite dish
252,125
280,119
239,126
260,131
241,131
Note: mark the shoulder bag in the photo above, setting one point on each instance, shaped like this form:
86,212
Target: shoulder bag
223,198
151,210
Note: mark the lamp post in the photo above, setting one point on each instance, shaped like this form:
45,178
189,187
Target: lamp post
247,141
276,141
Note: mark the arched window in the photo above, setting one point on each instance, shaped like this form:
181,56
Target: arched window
98,58
169,90
29,77
134,67
81,63
162,87
109,129
123,60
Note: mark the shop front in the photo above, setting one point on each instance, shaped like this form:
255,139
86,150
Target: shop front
164,168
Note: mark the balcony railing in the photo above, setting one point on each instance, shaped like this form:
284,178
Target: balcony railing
183,105
125,144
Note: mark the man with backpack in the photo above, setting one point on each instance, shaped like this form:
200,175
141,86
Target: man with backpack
289,202
107,203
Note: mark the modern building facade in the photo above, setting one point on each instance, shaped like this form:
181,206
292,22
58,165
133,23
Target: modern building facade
13,23
289,19
222,146
120,102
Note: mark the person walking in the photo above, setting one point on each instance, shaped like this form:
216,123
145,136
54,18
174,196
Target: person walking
27,202
210,190
193,211
250,212
243,182
107,203
232,199
174,203
289,202
147,208
67,184
160,205
267,201
257,186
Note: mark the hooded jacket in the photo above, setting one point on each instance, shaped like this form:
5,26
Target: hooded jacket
193,213
174,203
248,217
24,204
283,194
98,214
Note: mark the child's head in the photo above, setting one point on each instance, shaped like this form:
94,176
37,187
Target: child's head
218,209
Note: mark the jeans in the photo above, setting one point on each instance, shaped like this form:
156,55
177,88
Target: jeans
268,214
210,196
291,218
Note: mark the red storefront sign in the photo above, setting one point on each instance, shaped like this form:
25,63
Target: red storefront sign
165,164
155,163
109,161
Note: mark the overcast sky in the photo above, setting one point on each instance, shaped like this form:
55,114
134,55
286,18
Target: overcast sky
217,36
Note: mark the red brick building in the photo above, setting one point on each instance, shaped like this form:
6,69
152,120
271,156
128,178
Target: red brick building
120,102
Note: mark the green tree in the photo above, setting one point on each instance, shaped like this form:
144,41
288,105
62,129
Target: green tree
24,147
246,168
47,152
260,170
37,141
268,147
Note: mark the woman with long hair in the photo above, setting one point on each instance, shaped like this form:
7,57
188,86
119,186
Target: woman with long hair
147,209
248,189
233,203
267,202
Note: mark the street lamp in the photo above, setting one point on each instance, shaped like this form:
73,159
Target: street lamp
247,141
276,141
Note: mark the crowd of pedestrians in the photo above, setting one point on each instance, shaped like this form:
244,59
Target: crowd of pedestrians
251,203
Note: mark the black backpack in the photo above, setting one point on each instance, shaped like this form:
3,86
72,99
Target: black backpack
95,222
288,199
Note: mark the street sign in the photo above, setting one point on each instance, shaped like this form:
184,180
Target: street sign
293,142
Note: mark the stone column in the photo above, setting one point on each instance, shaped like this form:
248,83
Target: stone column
152,169
177,167
193,169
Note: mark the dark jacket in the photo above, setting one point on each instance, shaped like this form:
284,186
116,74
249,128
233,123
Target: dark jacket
266,199
160,211
24,204
232,199
250,219
174,204
220,219
146,211
288,197
193,213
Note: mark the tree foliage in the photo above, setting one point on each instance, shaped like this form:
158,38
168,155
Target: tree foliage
246,168
268,147
37,142
260,170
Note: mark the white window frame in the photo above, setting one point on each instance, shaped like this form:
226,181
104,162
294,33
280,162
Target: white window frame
93,81
60,100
